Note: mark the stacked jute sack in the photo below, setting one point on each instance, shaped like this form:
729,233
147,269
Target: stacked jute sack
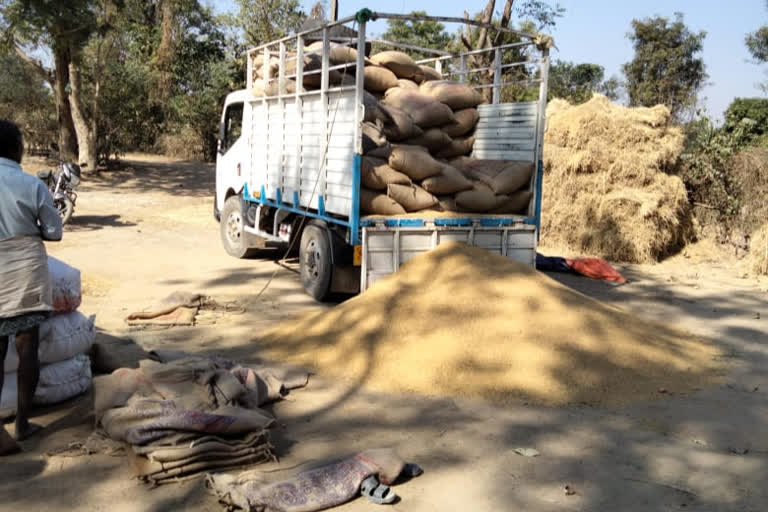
417,135
65,339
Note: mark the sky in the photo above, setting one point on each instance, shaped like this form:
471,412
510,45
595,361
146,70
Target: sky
595,31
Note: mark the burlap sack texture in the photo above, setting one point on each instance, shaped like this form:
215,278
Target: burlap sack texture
418,130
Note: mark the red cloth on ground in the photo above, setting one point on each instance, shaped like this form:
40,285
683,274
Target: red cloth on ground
595,268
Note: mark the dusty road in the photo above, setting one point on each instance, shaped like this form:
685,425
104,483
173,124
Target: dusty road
147,230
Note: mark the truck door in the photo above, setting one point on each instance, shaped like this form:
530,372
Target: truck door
230,158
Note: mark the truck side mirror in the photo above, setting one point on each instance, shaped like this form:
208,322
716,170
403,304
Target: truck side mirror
221,145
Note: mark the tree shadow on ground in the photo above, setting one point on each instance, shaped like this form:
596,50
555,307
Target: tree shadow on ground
96,222
188,179
705,450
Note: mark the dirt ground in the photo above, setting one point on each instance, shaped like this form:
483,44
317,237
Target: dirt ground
146,230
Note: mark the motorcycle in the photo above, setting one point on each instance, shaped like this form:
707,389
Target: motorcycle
62,183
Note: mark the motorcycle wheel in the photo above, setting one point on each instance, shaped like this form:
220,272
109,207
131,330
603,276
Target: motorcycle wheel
66,208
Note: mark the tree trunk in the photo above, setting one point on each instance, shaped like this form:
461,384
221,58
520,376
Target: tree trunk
166,50
67,135
86,131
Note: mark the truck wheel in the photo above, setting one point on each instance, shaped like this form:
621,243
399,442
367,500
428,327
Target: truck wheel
315,262
233,237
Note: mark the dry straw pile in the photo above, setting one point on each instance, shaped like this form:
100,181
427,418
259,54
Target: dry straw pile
757,259
463,321
605,189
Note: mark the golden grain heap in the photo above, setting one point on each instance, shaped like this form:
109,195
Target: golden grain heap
606,192
461,320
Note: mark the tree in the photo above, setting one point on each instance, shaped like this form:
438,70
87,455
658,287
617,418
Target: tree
574,82
667,67
612,88
538,15
749,115
426,34
266,20
757,44
31,106
61,27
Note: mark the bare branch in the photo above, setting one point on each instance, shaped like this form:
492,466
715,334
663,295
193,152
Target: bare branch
505,17
36,64
487,17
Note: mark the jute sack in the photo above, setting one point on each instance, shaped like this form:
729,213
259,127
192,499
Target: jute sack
424,109
399,63
458,146
258,66
412,197
414,161
259,88
407,84
379,79
456,95
338,53
374,111
480,170
375,174
400,125
449,181
447,204
480,199
313,62
382,152
513,176
434,139
466,120
375,203
372,137
430,73
516,202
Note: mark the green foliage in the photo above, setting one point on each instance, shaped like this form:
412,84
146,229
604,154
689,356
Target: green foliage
667,67
42,22
265,20
612,88
139,110
705,167
426,34
757,43
574,82
750,115
30,106
542,14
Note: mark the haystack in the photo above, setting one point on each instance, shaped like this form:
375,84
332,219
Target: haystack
460,320
606,192
757,259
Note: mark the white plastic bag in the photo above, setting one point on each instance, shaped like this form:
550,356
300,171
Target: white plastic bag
58,382
66,285
61,337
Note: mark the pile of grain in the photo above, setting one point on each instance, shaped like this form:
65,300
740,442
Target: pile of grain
410,107
605,189
757,259
460,320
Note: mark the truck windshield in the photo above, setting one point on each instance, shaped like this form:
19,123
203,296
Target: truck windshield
233,124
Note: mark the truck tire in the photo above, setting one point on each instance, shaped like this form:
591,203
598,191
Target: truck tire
315,264
233,237
216,212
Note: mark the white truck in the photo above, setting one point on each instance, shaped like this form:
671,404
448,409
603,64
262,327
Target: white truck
288,165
